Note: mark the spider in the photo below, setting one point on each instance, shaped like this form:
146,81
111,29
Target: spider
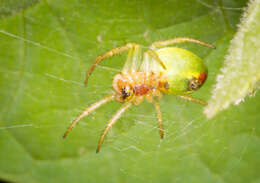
147,74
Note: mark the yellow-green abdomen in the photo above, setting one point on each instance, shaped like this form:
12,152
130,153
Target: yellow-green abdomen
184,69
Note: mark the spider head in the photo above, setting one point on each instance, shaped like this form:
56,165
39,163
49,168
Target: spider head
126,93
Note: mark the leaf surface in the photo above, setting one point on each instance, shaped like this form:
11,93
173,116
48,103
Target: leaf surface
46,51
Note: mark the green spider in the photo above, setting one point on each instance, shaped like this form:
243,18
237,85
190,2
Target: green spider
148,74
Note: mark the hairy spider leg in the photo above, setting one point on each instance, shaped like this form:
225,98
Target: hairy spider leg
111,122
88,110
159,44
108,54
159,117
133,61
192,99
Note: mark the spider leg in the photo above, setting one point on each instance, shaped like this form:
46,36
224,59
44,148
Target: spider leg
108,54
111,122
159,117
159,44
156,57
88,110
192,99
133,60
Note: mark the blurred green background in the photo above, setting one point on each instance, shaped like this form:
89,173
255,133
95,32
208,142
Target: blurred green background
46,48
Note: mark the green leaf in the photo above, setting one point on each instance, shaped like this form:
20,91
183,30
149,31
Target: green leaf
45,52
241,73
8,7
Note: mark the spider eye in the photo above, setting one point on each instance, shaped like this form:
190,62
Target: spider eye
126,92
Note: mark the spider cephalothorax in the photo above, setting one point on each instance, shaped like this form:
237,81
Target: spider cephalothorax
137,86
147,75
